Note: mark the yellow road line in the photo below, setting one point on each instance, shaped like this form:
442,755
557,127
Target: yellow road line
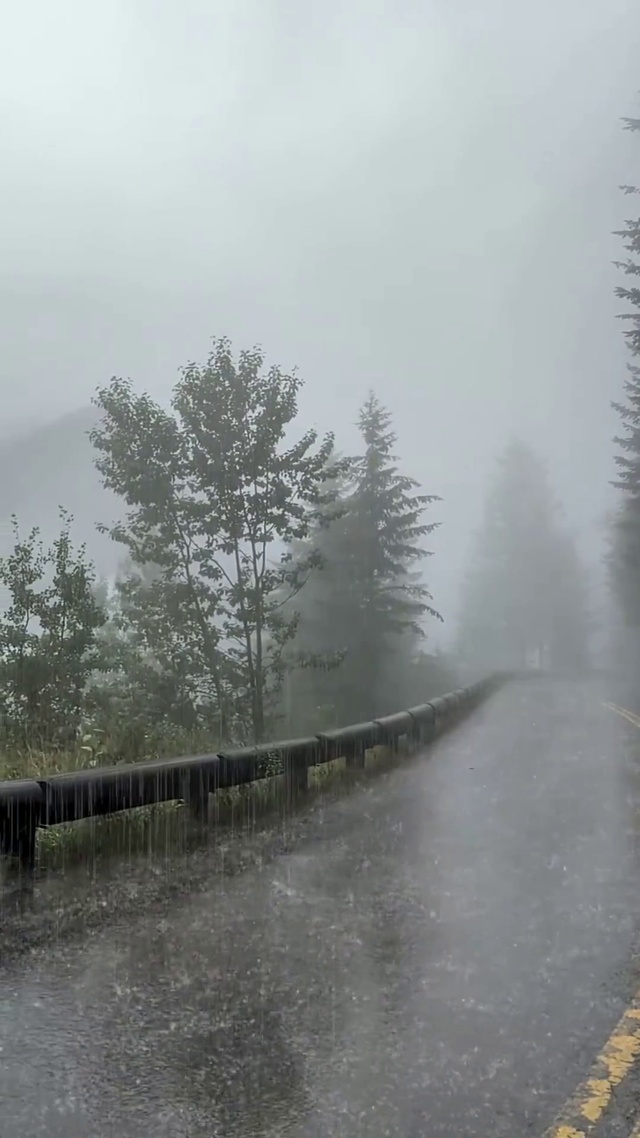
629,715
619,1055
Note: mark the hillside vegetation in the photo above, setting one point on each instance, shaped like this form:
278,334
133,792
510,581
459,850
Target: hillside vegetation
204,574
213,572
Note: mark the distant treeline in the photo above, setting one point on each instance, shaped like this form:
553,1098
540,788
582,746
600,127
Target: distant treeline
526,599
624,557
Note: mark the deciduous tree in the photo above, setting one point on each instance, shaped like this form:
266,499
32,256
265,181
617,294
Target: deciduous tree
217,491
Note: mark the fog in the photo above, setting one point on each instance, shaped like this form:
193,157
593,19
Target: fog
322,915
414,197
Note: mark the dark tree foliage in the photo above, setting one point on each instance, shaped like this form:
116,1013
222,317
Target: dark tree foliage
365,608
48,638
625,555
216,493
263,579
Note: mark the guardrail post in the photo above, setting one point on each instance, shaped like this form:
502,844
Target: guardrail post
423,729
415,733
197,795
354,755
296,774
20,809
22,839
349,743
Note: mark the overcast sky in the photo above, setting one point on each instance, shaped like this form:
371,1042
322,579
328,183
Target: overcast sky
417,196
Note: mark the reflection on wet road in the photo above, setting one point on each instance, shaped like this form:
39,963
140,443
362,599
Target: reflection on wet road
442,953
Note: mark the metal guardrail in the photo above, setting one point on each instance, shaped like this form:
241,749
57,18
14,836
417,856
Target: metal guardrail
29,804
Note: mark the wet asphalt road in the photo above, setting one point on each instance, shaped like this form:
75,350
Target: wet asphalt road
441,953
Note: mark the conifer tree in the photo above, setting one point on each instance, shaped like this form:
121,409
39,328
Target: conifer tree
625,555
524,601
367,605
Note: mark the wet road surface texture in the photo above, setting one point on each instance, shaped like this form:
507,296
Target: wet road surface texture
443,952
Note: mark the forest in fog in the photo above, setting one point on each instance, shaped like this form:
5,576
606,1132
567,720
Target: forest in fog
246,577
266,583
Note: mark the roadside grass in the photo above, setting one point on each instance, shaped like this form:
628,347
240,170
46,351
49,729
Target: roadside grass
131,832
97,750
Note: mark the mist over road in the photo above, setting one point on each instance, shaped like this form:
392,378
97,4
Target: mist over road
442,952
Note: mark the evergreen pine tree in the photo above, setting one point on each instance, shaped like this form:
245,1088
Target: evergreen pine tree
367,604
524,600
625,555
